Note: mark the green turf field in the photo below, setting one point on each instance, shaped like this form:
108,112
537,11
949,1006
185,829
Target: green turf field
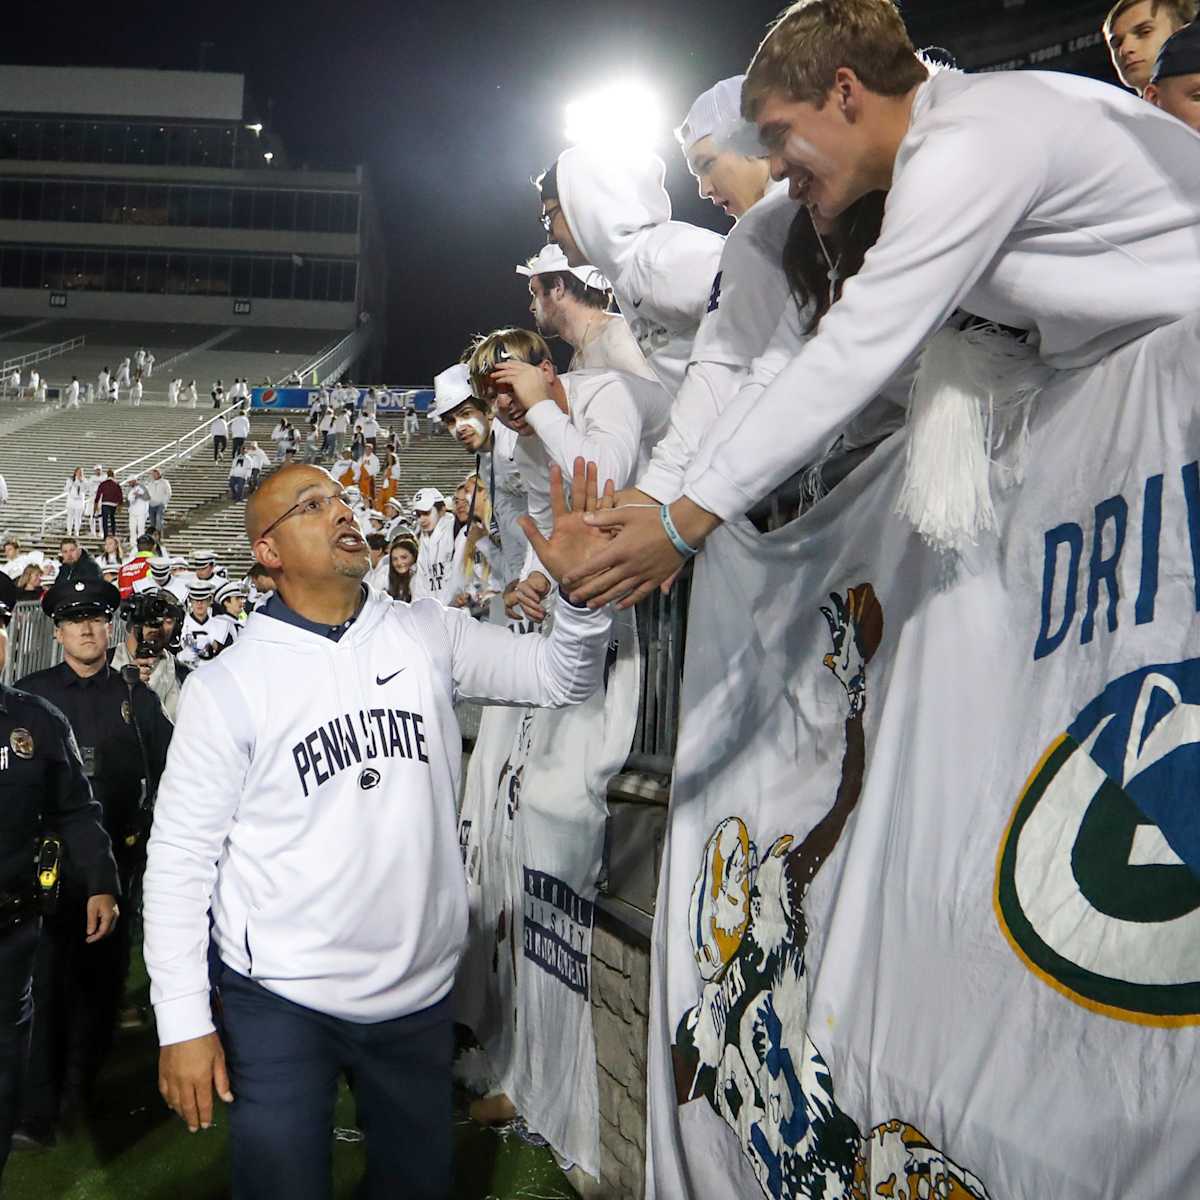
132,1148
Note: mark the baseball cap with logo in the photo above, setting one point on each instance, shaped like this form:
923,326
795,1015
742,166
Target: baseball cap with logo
551,259
426,499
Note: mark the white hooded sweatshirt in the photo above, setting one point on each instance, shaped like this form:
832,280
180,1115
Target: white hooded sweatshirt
435,560
309,799
661,271
747,301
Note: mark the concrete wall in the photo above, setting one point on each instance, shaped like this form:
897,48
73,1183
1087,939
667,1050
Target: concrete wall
273,177
620,1004
179,237
177,310
118,92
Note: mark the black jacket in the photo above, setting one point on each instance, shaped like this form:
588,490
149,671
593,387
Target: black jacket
101,717
85,568
43,790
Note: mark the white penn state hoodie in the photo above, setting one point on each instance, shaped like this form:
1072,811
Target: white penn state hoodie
661,271
309,799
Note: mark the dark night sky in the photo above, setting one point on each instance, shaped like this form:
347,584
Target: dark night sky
451,106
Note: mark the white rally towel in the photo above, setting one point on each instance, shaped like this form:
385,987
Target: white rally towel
929,914
532,833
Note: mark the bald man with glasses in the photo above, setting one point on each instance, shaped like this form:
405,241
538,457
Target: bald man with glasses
309,804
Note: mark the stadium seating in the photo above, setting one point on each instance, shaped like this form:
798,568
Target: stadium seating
201,352
40,446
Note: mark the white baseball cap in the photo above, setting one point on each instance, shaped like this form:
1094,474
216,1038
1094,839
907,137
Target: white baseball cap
550,258
427,498
451,388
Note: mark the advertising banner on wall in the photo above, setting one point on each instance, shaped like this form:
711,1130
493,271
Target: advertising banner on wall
387,399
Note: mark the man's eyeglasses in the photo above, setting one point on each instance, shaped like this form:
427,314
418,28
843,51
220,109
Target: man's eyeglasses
548,215
310,506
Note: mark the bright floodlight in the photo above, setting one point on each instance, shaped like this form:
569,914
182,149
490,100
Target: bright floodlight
623,116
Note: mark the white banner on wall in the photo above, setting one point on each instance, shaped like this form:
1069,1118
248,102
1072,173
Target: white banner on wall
532,835
929,913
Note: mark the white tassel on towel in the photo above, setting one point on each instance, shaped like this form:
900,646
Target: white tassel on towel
970,388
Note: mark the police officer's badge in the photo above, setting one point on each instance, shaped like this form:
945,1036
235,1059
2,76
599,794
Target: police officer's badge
21,741
126,712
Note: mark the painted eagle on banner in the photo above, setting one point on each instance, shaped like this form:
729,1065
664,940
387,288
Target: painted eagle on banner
744,1047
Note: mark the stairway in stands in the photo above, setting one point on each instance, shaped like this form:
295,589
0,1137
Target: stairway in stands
39,448
430,461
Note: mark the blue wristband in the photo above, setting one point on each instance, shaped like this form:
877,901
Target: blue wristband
664,514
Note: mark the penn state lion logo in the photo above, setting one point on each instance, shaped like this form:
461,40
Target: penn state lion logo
744,1047
1098,880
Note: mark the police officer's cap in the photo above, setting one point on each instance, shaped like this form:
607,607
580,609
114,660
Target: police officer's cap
83,598
1180,54
8,597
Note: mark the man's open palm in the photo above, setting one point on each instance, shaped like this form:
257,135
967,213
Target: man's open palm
571,543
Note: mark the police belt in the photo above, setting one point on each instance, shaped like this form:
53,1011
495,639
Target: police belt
18,907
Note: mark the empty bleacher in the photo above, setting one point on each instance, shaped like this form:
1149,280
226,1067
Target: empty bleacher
201,352
41,445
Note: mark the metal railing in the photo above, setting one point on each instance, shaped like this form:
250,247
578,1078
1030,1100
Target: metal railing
329,364
662,633
31,642
37,356
159,459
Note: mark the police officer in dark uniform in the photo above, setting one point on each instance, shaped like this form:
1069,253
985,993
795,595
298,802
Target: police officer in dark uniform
123,735
43,791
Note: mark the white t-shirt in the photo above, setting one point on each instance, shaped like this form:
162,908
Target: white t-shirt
612,347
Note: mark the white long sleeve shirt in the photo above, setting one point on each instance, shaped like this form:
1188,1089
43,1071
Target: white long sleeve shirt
159,491
613,419
661,271
1040,200
499,471
748,301
309,800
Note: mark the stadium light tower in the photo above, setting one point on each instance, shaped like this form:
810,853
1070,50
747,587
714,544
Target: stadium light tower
624,117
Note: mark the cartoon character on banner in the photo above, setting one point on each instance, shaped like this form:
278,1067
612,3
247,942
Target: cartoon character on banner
744,1047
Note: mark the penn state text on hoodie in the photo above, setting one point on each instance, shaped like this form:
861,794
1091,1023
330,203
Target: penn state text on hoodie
309,800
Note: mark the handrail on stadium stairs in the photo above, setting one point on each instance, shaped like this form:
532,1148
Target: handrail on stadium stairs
183,447
37,356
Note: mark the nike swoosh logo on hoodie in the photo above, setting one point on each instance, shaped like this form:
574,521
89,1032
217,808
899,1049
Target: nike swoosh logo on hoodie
387,678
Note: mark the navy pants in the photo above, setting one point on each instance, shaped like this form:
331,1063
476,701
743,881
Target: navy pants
284,1065
17,949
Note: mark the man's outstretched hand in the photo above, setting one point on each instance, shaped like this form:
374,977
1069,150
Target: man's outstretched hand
640,556
572,543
